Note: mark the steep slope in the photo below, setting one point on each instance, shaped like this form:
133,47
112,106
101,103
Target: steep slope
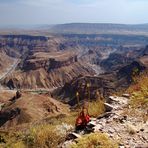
28,108
124,125
5,62
121,57
48,71
90,87
51,61
42,63
144,57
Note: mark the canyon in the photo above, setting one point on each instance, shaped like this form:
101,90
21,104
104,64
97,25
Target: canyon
53,68
42,58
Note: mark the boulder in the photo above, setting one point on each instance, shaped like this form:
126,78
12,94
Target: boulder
108,107
126,95
74,136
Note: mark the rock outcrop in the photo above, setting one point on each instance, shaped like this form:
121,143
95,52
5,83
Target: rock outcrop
128,131
99,86
50,62
43,64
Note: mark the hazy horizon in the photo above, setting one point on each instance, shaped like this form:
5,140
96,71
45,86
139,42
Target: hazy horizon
41,26
49,12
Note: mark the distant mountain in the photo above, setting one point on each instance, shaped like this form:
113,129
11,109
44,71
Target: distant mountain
99,28
29,26
76,28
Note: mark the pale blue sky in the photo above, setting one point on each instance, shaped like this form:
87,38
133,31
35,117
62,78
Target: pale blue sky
67,11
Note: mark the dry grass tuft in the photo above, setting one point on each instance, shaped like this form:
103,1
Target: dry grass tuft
96,108
95,140
44,136
131,129
139,91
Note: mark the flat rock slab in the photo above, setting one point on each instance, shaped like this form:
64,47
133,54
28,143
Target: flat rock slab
105,115
92,123
108,107
93,119
118,100
113,98
126,95
98,127
74,135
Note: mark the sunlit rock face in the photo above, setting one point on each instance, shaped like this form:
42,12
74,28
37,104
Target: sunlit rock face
50,62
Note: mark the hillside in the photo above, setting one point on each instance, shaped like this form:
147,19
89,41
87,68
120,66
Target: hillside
5,63
55,74
46,60
117,78
126,122
31,107
122,116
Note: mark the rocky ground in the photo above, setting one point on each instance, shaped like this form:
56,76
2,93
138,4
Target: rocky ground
128,131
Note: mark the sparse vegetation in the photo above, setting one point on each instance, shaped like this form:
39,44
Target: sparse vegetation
47,135
131,129
43,136
139,91
96,108
138,104
95,140
19,144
